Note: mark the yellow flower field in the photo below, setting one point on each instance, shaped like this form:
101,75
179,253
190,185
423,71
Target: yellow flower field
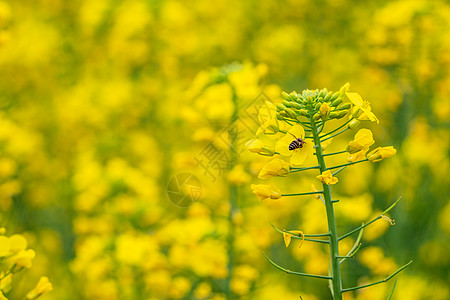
165,149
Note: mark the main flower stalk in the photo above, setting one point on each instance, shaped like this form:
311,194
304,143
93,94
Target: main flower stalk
334,242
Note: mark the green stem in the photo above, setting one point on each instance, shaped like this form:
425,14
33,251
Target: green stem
306,236
378,282
334,153
332,136
302,194
333,131
334,174
295,273
348,164
334,244
293,170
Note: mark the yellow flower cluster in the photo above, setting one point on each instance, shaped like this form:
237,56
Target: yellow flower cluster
15,257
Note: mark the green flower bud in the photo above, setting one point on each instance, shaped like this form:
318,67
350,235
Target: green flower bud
328,96
293,95
344,106
353,123
333,115
310,99
336,102
290,113
296,105
323,93
286,103
334,96
316,116
280,107
344,89
342,114
285,96
303,112
280,117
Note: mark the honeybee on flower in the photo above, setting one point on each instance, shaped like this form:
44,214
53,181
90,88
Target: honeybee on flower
298,149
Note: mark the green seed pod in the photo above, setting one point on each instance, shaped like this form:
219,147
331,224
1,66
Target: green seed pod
344,106
285,96
334,96
336,102
316,117
328,96
280,107
286,103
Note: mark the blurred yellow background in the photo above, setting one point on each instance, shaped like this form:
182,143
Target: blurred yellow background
103,102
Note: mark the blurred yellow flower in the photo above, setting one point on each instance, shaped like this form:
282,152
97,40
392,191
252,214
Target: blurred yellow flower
2,297
43,286
381,153
24,258
5,246
263,191
5,282
18,243
257,146
237,175
276,167
327,177
299,154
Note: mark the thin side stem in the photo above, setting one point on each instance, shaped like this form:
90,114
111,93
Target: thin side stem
348,164
378,282
333,131
334,153
293,272
342,168
306,236
302,194
293,170
332,136
375,219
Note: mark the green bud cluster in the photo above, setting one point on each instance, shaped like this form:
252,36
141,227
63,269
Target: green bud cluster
310,104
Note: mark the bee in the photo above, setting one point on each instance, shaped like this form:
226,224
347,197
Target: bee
297,143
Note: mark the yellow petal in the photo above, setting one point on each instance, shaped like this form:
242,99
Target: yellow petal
287,238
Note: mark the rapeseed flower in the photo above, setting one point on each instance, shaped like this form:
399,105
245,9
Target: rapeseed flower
361,108
299,154
381,153
327,177
264,191
276,167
